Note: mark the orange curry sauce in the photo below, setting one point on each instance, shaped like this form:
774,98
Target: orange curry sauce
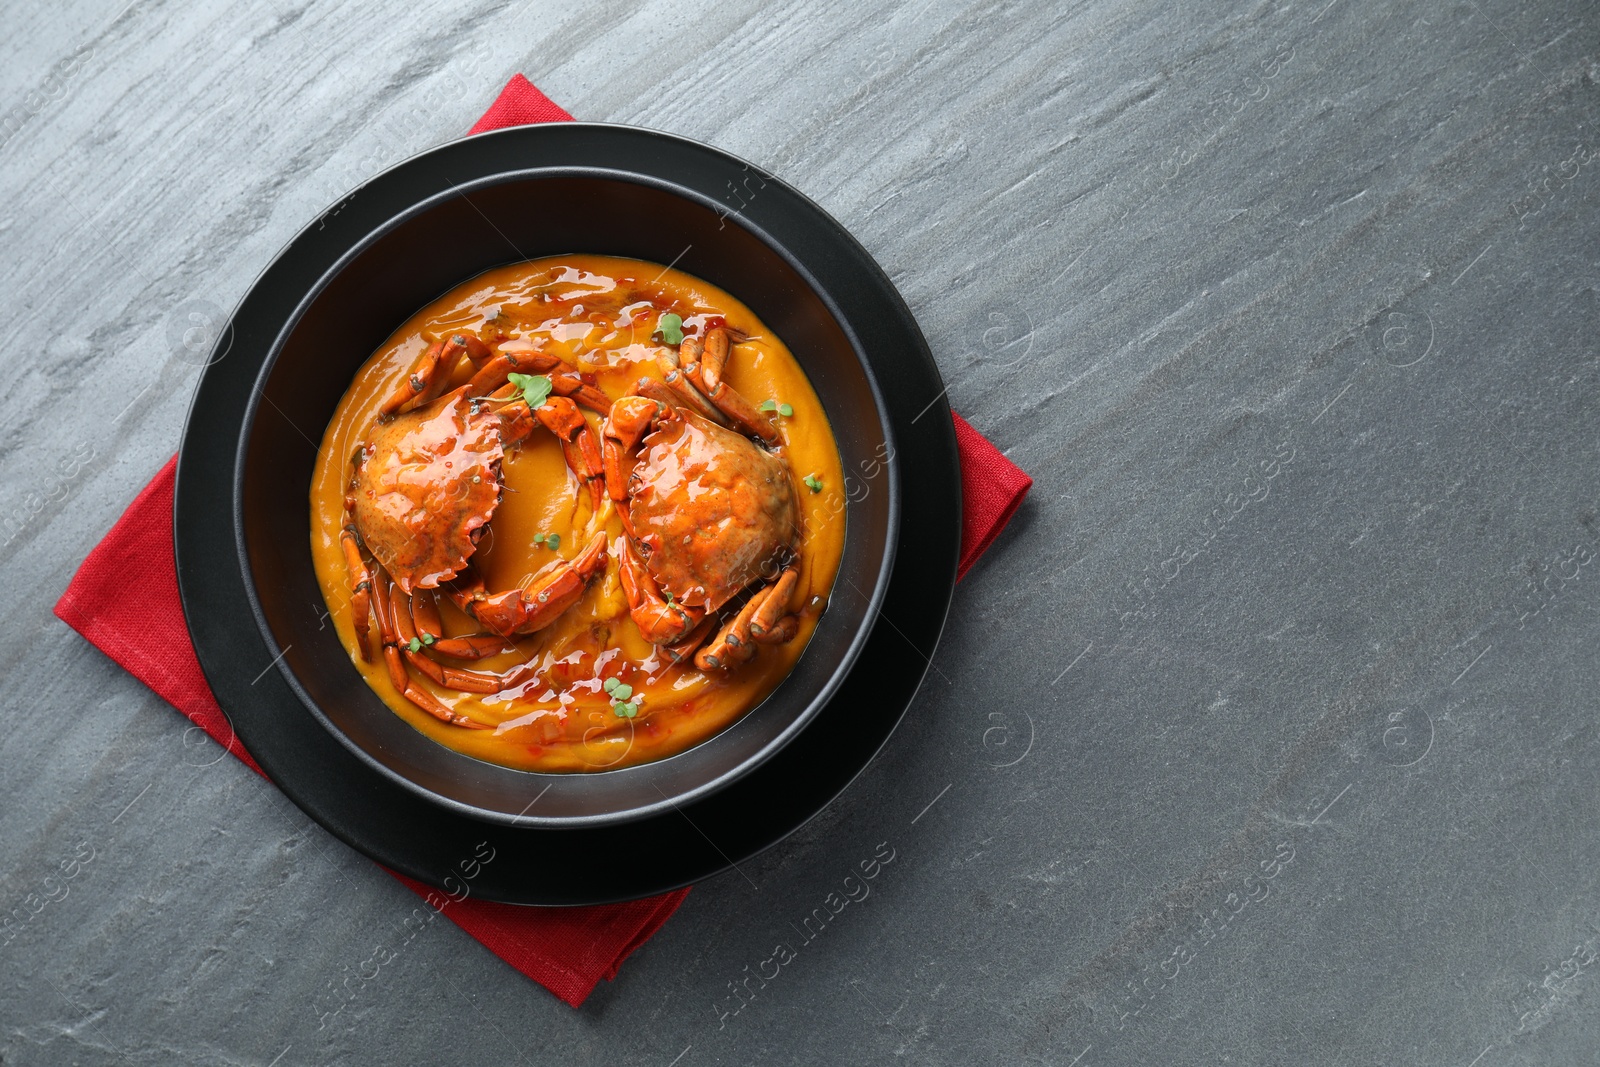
598,313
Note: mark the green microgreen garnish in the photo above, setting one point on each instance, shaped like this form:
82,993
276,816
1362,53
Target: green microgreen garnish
670,327
536,388
813,483
550,541
772,405
785,410
620,693
768,405
427,639
414,645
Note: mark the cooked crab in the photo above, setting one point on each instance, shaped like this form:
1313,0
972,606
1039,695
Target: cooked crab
708,512
425,487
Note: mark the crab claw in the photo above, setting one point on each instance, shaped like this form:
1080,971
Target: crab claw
661,622
630,419
522,611
561,417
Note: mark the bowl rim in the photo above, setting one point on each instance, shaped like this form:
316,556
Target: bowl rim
462,189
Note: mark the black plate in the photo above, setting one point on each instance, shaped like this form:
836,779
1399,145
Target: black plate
539,865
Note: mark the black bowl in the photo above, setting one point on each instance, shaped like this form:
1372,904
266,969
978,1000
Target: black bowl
671,201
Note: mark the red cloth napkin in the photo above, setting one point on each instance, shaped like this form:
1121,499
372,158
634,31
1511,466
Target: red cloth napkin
992,489
566,950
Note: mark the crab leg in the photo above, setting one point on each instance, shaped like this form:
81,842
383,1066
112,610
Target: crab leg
433,368
686,648
425,613
402,607
683,397
782,631
571,384
661,622
683,392
417,380
658,391
733,644
523,357
690,397
465,590
764,619
630,419
472,646
360,591
713,357
735,407
522,611
771,624
385,610
702,363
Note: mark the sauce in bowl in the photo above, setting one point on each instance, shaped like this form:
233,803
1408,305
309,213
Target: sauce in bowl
587,691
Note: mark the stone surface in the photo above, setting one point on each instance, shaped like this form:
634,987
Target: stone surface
1291,310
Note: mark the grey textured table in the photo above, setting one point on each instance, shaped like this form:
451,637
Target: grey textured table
1266,734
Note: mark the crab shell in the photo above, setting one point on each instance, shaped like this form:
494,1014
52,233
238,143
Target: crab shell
426,484
712,511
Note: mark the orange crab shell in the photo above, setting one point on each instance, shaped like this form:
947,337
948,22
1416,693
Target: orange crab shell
713,511
426,483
